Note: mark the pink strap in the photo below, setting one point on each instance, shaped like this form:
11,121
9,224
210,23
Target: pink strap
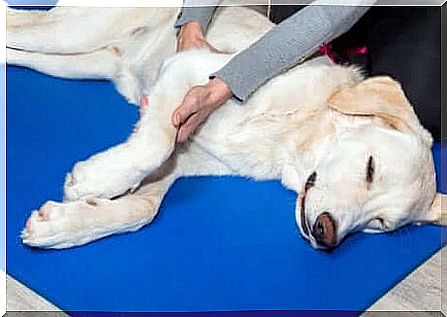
326,49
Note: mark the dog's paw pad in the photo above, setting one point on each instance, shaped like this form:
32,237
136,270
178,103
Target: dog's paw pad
62,225
46,226
92,202
31,224
75,188
71,180
27,231
45,211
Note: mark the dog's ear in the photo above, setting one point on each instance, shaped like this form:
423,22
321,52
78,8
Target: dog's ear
382,97
438,211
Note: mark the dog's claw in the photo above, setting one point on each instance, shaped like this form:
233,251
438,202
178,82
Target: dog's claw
70,180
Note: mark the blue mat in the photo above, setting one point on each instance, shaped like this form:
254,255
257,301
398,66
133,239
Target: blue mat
218,243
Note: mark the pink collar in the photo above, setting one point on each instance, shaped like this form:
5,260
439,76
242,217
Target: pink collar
326,49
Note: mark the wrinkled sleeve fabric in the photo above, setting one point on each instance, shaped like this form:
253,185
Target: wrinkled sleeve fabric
288,44
197,10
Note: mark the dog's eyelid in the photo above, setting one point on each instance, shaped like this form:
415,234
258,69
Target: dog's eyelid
370,169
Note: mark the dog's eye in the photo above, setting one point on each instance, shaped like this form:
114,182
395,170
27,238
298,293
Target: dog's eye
378,223
370,169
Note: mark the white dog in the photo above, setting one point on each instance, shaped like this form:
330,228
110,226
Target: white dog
353,148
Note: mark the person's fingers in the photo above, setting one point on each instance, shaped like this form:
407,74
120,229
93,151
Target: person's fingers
184,44
213,49
188,128
144,103
143,100
189,106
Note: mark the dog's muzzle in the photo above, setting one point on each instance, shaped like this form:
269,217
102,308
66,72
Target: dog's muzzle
324,229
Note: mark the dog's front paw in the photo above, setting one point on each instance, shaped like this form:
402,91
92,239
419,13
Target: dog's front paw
64,225
79,184
49,227
93,180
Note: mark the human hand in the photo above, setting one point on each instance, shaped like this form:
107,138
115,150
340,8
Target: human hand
191,36
144,103
198,104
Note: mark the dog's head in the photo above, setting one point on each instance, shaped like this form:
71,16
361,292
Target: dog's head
377,174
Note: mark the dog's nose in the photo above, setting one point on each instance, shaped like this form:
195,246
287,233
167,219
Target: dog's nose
325,230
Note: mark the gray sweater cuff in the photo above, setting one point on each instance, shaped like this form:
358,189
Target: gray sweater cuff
286,45
202,15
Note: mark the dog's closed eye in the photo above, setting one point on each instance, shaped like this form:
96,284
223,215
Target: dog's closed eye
370,169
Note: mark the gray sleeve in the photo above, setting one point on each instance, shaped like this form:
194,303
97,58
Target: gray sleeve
194,10
286,45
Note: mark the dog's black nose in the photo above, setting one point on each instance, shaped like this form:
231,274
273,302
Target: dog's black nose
325,231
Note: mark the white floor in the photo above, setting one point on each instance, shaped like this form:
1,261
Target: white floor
421,290
21,298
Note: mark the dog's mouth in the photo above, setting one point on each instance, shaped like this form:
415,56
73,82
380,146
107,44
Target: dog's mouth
323,233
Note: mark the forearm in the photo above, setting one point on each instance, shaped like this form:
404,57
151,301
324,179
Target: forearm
192,12
288,44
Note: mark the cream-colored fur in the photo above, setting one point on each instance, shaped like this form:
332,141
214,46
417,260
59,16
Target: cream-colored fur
301,122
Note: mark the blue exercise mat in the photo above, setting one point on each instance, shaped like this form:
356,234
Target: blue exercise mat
218,244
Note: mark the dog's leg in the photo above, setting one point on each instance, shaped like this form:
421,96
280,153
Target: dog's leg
63,225
22,18
106,63
63,30
101,64
123,167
